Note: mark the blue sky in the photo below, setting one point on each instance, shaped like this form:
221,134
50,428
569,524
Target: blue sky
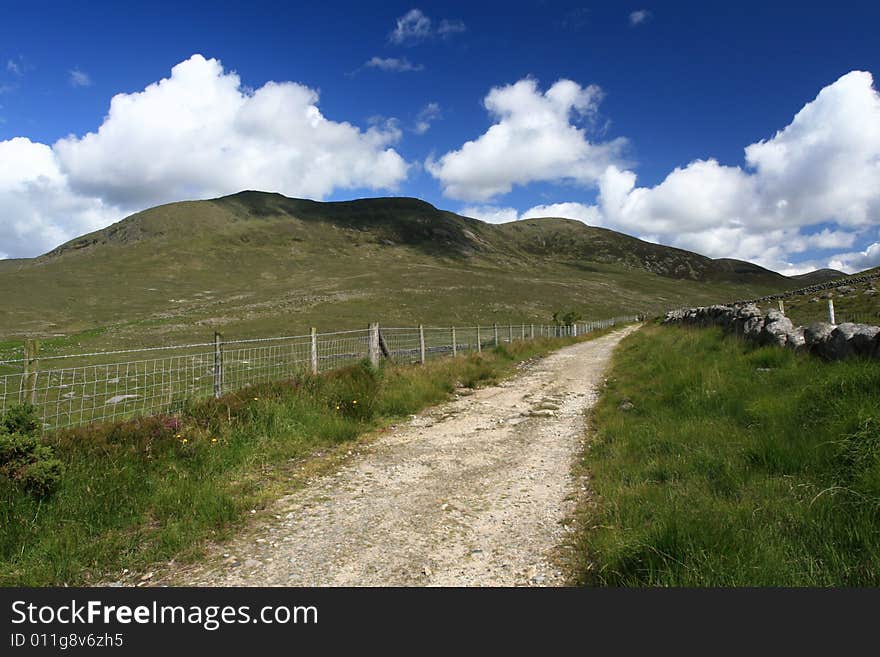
648,89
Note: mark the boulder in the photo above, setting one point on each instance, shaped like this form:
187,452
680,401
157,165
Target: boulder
847,340
862,339
753,326
775,329
817,334
794,339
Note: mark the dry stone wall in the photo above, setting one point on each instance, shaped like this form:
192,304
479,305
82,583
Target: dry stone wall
829,341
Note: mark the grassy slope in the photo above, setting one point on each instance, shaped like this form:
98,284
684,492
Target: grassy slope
135,493
735,466
260,264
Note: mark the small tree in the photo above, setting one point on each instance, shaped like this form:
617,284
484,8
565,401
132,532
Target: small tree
566,318
24,459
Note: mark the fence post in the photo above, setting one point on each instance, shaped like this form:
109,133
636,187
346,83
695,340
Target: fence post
479,341
495,329
831,311
454,346
373,349
422,344
532,331
510,333
28,387
781,306
574,330
314,350
218,365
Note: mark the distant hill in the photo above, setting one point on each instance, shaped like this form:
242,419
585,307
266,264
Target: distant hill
819,276
257,263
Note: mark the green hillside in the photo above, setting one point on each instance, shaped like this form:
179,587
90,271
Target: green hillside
260,264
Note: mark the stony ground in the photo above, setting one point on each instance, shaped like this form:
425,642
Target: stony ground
474,492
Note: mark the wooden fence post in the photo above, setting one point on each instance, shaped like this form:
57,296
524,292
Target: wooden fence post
532,331
510,332
422,344
479,341
495,329
218,365
831,311
454,346
373,344
314,350
28,386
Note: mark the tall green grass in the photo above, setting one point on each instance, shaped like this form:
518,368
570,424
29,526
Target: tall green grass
150,490
733,466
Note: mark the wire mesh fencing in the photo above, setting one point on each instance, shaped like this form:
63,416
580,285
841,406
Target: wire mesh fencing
77,389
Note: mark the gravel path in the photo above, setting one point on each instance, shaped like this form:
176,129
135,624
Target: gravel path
473,492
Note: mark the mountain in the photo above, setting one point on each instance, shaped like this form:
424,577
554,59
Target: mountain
819,276
257,263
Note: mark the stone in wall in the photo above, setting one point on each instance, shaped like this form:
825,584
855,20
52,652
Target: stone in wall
774,328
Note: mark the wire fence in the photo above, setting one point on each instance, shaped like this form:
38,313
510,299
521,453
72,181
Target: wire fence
77,389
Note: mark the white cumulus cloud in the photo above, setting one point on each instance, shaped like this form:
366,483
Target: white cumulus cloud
823,167
493,214
814,185
535,138
39,209
857,261
196,134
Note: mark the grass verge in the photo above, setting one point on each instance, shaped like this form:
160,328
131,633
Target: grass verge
150,490
714,463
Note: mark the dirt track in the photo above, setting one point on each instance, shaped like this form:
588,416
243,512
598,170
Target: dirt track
469,493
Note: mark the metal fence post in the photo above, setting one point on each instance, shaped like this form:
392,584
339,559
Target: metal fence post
218,365
454,346
831,311
479,341
314,350
373,344
422,344
574,330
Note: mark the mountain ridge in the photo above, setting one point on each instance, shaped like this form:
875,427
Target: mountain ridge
256,264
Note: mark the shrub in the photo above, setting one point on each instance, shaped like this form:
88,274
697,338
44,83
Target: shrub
30,464
22,419
23,458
